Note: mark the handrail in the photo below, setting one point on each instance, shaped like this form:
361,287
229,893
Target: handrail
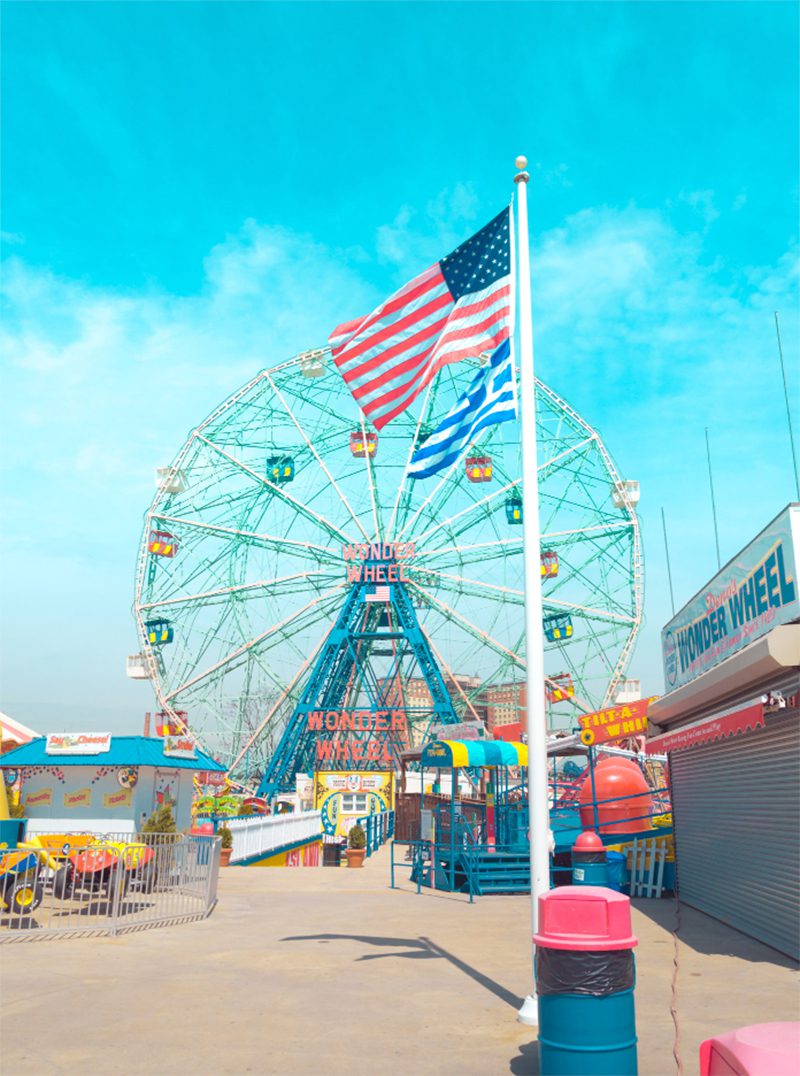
379,828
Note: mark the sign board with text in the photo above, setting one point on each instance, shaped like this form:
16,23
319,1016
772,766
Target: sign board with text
755,592
179,747
615,723
78,743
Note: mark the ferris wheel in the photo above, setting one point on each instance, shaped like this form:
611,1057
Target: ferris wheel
246,557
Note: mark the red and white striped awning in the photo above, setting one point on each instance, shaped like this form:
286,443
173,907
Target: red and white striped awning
710,729
13,733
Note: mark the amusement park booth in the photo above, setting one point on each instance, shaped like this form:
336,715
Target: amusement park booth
103,783
476,849
730,725
345,796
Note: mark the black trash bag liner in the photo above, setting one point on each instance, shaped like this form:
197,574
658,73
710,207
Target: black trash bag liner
566,971
589,857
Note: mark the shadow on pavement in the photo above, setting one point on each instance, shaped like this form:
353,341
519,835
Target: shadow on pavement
526,1063
421,948
704,934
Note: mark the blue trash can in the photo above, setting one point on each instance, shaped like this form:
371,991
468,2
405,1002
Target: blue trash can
615,862
589,866
585,981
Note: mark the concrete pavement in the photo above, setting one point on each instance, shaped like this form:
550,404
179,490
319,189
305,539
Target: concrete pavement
302,971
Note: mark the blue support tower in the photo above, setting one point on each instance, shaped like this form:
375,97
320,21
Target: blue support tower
373,624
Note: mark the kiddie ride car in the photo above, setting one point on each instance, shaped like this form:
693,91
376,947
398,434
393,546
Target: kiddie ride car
111,866
22,874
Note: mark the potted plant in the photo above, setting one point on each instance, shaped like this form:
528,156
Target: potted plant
160,833
356,846
226,845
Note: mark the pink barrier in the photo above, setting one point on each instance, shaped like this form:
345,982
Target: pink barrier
758,1050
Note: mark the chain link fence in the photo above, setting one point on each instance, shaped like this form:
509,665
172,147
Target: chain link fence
84,884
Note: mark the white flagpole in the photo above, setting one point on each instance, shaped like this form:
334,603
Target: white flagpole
538,812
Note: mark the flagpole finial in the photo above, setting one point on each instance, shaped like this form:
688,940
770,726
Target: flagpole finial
522,176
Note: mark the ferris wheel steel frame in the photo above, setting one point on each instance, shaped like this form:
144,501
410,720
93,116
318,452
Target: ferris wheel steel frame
439,582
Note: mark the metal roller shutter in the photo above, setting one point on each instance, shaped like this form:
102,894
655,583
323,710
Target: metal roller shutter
737,830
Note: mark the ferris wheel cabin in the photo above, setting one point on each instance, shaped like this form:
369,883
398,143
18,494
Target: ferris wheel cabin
312,363
136,667
170,480
479,468
280,469
162,544
559,688
159,632
362,445
557,627
625,493
549,562
172,724
514,510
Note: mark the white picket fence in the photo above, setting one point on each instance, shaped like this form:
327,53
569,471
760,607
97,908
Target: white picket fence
648,858
260,834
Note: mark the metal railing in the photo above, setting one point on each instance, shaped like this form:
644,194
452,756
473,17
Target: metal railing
105,884
261,834
656,805
379,828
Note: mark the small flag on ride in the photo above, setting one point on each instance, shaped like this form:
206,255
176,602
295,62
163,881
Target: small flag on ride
491,398
456,309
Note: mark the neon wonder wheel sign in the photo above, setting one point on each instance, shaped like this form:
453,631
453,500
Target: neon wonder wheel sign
380,731
382,563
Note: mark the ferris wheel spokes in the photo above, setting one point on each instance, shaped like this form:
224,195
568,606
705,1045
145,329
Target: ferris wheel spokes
501,545
300,508
461,585
371,479
403,485
329,597
601,615
235,589
448,523
317,457
287,694
472,629
319,552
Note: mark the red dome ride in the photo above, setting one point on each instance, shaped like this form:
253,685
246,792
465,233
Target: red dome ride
623,778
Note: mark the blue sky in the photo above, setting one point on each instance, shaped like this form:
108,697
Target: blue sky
193,191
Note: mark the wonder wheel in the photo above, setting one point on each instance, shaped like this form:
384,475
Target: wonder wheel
252,539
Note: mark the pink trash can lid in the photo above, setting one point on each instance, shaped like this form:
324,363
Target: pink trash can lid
588,842
757,1050
585,917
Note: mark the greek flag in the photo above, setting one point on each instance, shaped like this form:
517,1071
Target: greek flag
491,398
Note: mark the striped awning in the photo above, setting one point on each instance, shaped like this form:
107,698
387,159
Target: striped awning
452,754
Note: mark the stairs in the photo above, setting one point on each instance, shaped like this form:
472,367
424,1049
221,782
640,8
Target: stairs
500,872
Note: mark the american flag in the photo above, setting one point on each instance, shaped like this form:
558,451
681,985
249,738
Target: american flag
456,309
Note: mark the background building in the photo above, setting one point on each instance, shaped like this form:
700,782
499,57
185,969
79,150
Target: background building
730,726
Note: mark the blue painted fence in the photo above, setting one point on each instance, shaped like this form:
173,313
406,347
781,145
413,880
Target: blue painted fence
379,829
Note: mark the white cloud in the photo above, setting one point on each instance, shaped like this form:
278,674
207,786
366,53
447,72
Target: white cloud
703,204
552,175
640,327
651,337
415,240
